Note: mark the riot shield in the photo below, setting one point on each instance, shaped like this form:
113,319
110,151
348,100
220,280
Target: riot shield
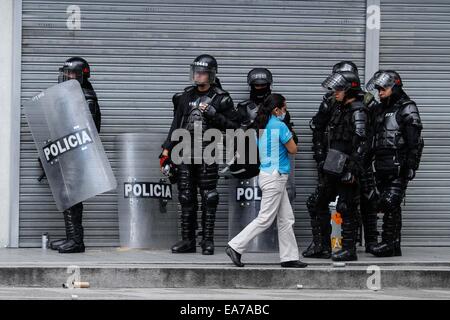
147,202
68,144
243,206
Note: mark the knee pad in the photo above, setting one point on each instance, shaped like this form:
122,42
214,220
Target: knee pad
185,197
389,202
210,197
312,201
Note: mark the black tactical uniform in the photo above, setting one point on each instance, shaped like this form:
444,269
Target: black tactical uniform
341,165
248,110
320,246
397,148
77,68
220,114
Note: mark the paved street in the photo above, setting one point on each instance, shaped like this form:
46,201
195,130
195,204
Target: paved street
215,294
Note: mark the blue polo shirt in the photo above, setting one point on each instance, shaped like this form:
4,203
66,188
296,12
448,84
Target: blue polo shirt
273,154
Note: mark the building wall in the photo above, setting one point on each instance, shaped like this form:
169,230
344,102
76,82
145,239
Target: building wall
6,36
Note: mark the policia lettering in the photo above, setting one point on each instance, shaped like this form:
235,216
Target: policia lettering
79,69
207,103
147,190
65,144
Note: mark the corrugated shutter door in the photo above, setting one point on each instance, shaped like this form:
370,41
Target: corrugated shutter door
415,41
140,53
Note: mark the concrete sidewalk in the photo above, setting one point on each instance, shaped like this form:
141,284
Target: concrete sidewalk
418,268
412,256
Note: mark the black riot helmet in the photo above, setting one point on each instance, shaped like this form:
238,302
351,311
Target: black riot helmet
75,68
345,65
204,63
259,76
343,81
385,79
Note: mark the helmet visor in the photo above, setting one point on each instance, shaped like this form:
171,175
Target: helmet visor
66,74
336,82
202,75
380,79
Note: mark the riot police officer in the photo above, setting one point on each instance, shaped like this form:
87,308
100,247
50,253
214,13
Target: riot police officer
397,148
343,159
206,103
260,82
77,68
320,246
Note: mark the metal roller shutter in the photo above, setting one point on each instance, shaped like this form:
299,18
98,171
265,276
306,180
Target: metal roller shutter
414,40
140,52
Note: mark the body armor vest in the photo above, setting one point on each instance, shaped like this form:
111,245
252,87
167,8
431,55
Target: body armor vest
195,114
341,127
388,133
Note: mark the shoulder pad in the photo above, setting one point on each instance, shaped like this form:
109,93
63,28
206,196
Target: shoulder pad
407,107
410,111
218,90
176,98
407,102
89,94
358,105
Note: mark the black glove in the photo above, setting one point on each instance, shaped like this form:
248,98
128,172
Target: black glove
168,168
209,111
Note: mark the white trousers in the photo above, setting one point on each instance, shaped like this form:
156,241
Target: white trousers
274,204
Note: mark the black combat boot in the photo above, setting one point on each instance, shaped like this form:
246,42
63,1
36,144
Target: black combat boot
349,233
188,222
207,243
74,230
390,243
320,246
54,245
369,220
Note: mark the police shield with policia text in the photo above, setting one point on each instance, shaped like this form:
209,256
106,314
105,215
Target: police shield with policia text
64,121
